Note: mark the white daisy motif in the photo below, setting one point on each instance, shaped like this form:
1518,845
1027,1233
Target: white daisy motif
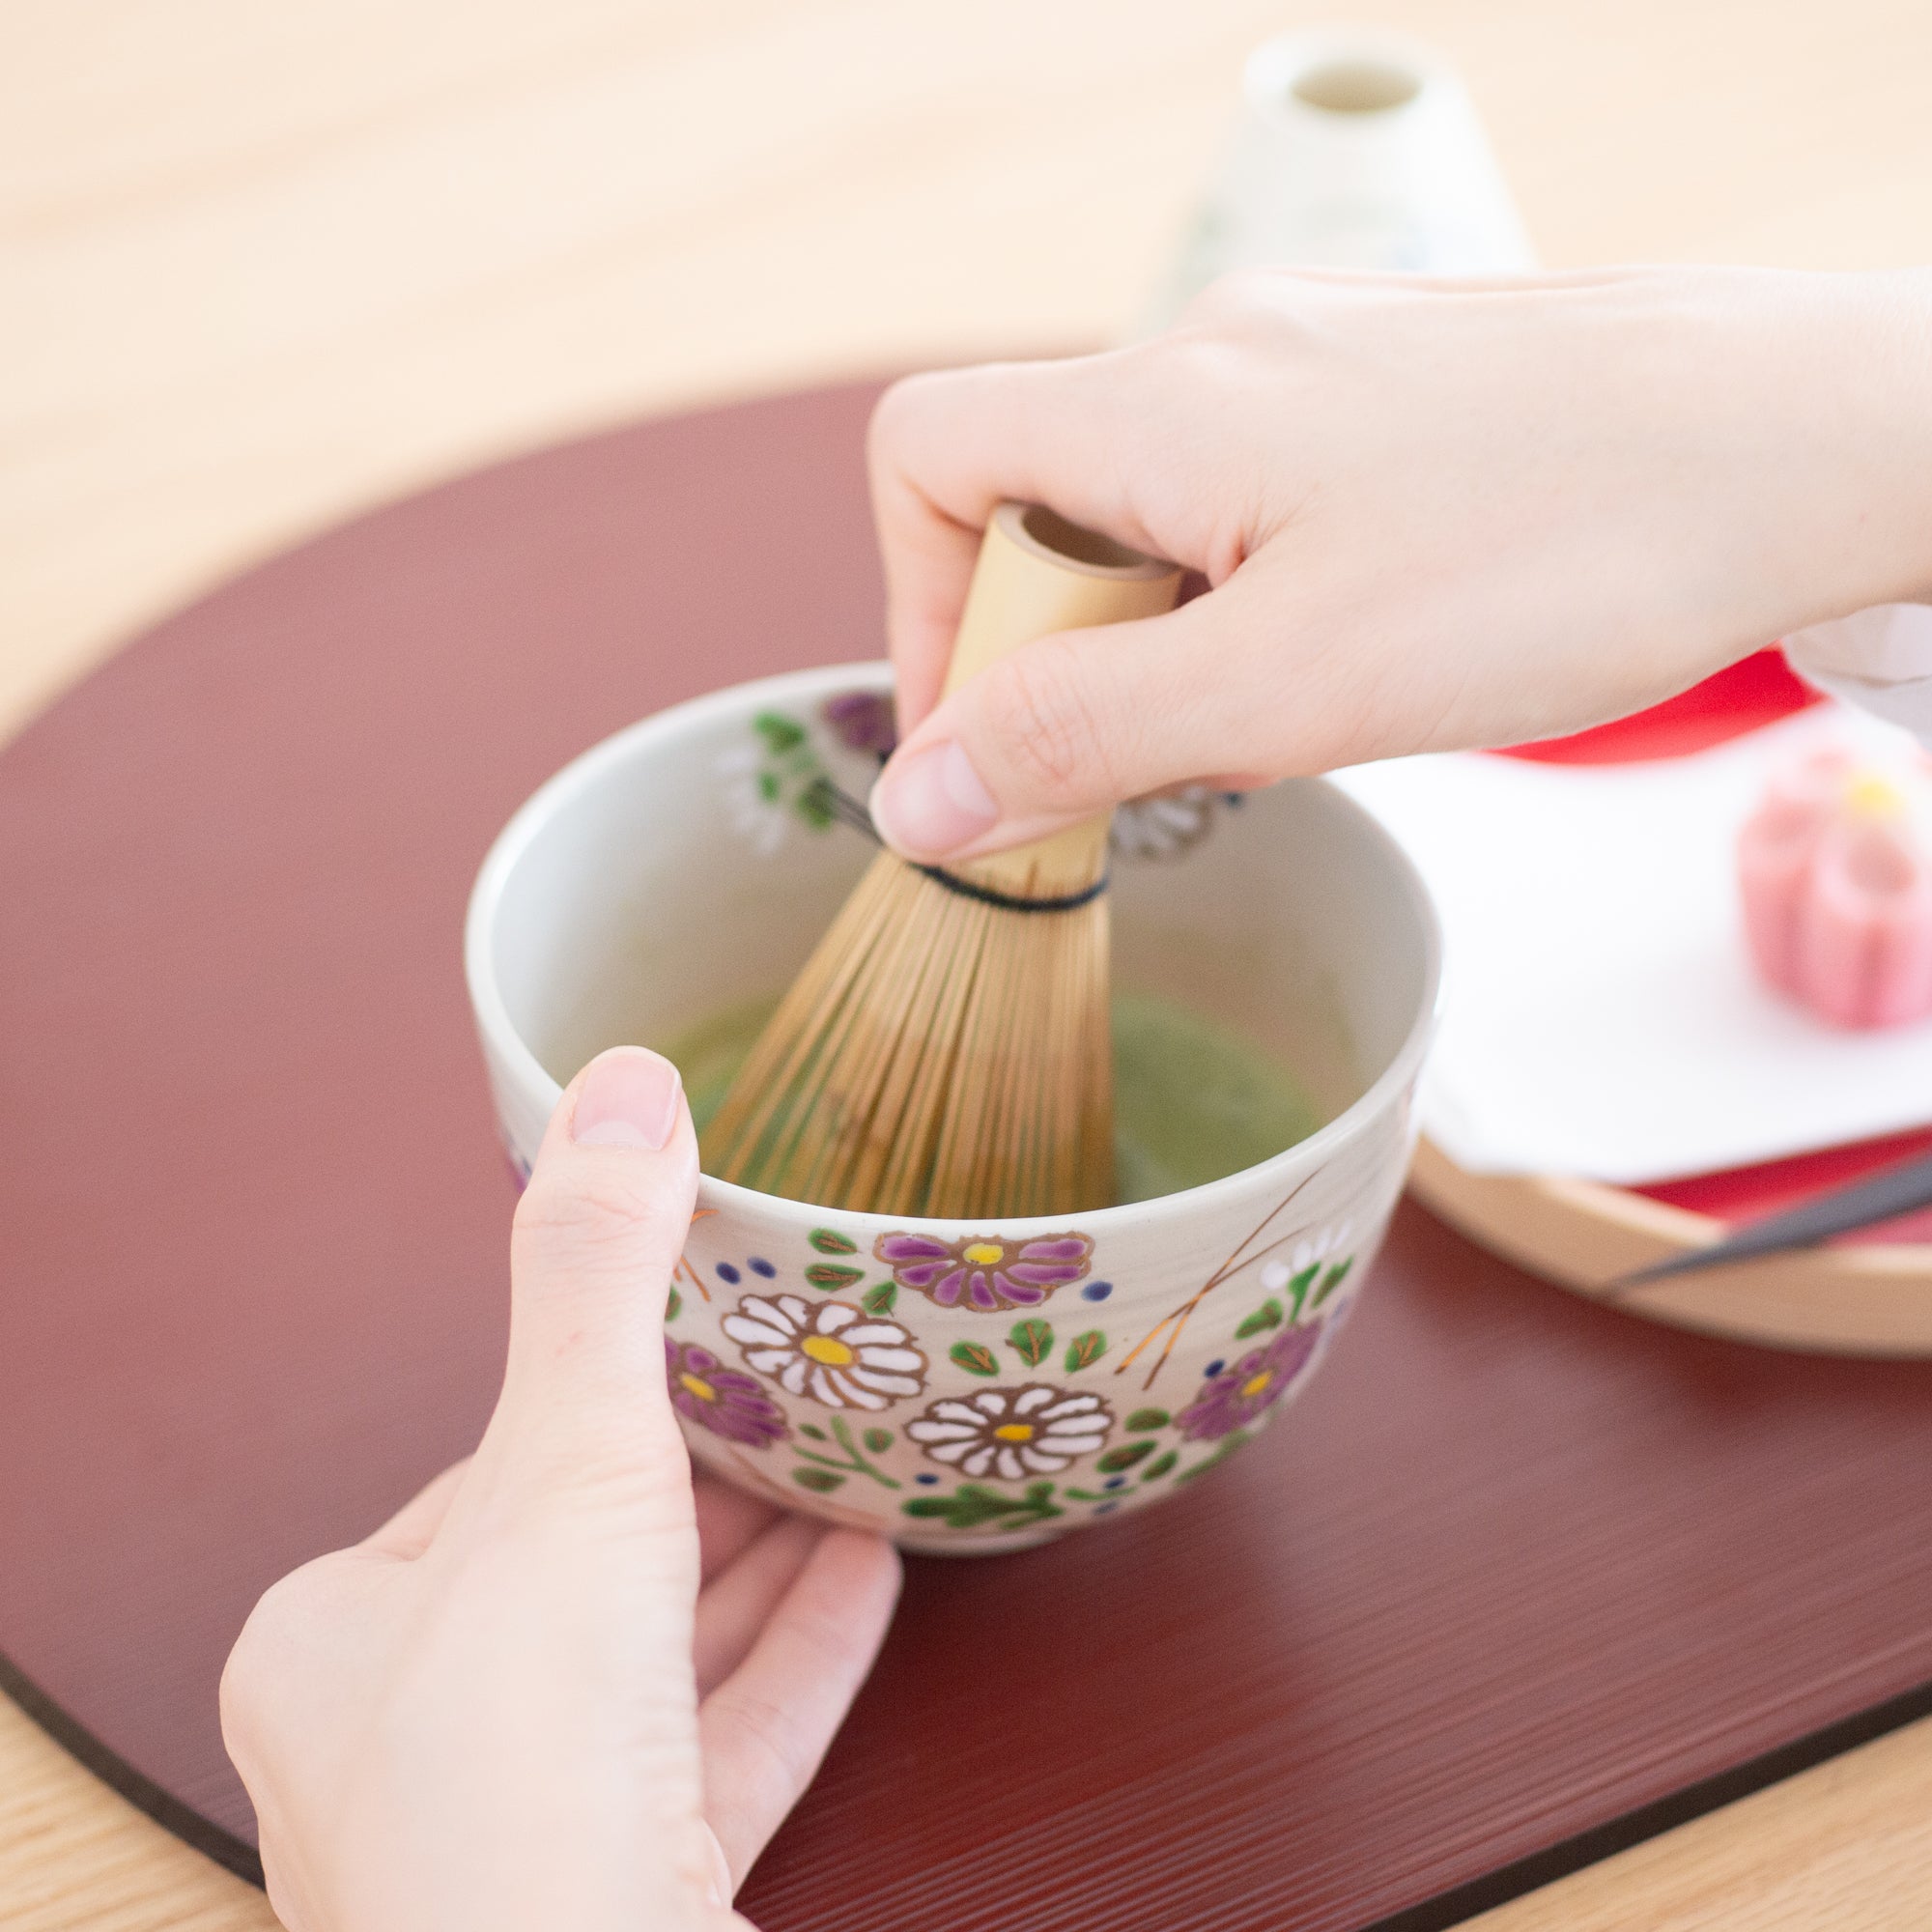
775,775
827,1350
1164,824
1034,1430
1312,1253
750,797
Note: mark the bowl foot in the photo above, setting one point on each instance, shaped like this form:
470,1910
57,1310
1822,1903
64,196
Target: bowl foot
965,1542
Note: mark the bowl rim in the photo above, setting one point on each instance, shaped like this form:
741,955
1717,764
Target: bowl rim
584,772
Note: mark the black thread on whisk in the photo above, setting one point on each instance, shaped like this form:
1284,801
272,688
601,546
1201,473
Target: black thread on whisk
841,806
967,889
848,811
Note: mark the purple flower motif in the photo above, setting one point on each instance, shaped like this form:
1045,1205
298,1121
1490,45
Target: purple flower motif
728,1402
863,721
984,1272
1243,1390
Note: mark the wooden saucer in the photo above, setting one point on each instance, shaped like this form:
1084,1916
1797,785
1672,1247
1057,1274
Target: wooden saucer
1871,1298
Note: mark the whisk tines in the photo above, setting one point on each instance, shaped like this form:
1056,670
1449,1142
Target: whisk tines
945,1050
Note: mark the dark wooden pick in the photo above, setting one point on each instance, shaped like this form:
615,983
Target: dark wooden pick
1863,1204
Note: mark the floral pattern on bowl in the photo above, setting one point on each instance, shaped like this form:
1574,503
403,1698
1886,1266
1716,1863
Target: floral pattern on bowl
878,1372
721,1400
1238,1397
834,1353
971,1431
782,775
1034,1430
984,1272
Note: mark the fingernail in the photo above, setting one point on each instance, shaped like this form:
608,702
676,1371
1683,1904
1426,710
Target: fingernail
629,1098
933,802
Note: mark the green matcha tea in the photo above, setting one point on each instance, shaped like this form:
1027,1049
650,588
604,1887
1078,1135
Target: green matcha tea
1193,1100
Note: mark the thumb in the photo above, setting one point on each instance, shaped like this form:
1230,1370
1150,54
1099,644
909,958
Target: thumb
1071,725
597,1235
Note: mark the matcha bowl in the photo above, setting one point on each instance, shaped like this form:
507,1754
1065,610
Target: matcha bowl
967,1387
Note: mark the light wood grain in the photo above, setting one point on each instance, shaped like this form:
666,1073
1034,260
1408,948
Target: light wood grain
73,1853
260,265
1845,1847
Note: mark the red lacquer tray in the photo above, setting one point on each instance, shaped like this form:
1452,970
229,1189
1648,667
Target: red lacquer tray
1520,1580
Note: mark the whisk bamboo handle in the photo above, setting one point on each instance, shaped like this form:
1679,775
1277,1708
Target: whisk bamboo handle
1038,573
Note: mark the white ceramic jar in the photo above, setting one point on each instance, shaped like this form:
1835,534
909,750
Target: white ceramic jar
1353,150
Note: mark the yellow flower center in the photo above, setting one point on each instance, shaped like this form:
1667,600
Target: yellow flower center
835,1355
1872,795
981,1254
698,1387
1014,1432
1255,1383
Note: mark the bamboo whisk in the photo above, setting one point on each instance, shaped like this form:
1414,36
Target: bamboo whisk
947,1049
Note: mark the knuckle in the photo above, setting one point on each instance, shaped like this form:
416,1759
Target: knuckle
1235,299
257,1666
821,1626
766,1744
888,412
609,1461
893,413
589,1219
1247,323
241,1680
1045,727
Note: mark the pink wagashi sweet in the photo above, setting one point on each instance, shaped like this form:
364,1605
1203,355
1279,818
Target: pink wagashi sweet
1836,878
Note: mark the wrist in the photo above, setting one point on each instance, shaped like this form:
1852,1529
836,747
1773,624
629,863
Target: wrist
1840,369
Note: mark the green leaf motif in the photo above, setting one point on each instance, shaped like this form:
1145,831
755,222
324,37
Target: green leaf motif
780,733
975,1357
1229,1442
673,1306
1332,1280
1297,1289
879,1301
831,1276
1160,1468
1084,1350
972,1506
1031,1340
829,1242
821,1481
855,1462
1124,1456
1143,1419
1266,1315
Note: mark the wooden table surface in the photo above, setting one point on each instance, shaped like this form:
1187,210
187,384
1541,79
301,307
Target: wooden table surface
263,266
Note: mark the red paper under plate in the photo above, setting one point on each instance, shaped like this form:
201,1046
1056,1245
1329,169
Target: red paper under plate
1751,1193
1756,691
